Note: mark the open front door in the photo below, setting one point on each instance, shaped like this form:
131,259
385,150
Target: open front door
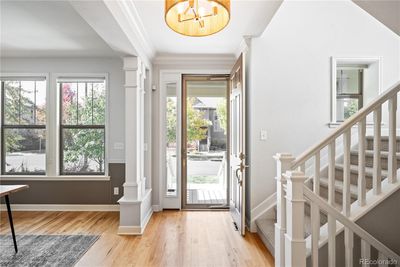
237,145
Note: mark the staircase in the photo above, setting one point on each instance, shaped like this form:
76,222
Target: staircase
316,203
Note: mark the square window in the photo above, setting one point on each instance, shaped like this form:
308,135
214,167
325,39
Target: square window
83,151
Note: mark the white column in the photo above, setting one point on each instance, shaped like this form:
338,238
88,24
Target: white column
133,128
295,244
133,213
283,164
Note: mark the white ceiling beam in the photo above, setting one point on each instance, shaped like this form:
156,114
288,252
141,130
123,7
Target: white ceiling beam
119,25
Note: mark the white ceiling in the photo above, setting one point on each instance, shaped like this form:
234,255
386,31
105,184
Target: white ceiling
31,28
47,28
248,18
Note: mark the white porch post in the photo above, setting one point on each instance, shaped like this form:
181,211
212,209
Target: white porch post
132,211
283,164
295,244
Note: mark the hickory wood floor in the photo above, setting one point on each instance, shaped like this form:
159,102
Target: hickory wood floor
172,238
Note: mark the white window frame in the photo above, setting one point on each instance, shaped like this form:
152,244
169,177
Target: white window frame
53,128
335,61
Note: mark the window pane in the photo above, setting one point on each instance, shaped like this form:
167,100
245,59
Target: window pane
83,150
24,102
25,150
99,103
69,103
346,107
171,121
349,81
83,103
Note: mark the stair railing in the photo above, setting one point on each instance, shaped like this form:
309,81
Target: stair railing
290,249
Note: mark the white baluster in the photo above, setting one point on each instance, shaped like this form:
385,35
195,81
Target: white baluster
302,167
376,178
315,217
317,169
295,244
283,163
382,260
346,172
361,163
392,159
365,253
315,227
331,201
348,245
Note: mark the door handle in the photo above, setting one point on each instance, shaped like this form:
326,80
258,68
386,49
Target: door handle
239,181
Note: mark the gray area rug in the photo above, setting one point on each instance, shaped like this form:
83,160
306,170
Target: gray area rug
44,250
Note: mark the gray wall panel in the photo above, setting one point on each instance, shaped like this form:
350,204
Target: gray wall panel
72,192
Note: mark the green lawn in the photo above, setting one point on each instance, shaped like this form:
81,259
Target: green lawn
203,179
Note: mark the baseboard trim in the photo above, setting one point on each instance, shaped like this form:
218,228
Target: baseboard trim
129,230
60,207
157,208
147,219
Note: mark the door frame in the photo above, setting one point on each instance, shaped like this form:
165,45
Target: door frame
183,143
165,75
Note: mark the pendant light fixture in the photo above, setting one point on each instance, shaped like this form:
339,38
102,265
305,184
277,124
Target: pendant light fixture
197,17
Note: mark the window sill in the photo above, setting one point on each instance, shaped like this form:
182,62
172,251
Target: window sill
54,178
337,124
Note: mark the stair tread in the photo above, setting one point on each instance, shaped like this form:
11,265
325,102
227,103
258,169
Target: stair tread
339,186
371,153
385,137
354,169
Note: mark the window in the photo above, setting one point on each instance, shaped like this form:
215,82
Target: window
171,138
349,92
23,125
82,126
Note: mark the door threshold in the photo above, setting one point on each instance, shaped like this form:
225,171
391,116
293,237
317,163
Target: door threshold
211,208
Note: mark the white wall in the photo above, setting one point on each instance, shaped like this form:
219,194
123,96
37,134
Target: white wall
290,77
112,66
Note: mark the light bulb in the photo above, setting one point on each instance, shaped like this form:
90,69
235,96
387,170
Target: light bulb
202,11
180,7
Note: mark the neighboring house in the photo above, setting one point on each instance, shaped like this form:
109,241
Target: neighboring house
216,137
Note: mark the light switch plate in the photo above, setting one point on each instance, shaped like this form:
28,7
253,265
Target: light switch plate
263,135
119,146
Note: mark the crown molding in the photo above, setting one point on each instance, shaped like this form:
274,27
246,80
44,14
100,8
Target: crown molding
127,16
244,46
205,59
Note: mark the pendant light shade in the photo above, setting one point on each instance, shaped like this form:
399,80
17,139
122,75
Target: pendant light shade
197,17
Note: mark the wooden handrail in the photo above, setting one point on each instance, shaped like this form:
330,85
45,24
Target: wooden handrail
350,122
364,235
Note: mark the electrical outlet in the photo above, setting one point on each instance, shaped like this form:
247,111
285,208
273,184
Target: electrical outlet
116,191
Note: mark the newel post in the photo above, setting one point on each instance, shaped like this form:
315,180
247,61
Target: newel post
283,164
295,244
